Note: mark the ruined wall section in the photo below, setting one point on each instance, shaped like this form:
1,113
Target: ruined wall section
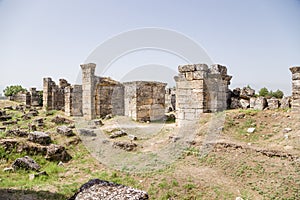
295,89
109,97
200,89
145,100
73,100
54,95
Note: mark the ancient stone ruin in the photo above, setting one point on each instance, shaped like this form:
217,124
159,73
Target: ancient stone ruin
31,98
200,89
295,89
102,96
54,95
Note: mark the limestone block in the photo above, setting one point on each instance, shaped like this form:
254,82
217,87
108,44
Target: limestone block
186,68
273,103
201,67
189,76
198,75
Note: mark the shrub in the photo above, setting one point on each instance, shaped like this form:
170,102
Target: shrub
13,90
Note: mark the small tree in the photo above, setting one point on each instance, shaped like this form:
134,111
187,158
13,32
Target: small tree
263,92
13,89
278,94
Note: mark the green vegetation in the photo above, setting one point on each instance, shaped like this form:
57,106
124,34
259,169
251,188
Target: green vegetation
13,89
264,92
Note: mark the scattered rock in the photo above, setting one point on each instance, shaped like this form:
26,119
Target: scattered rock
116,134
235,103
8,169
99,189
32,127
32,113
64,130
39,122
250,130
71,126
2,128
98,122
8,108
39,137
26,117
5,117
9,122
86,132
247,92
109,116
57,153
260,103
61,164
273,103
239,198
132,137
61,120
287,130
33,176
127,146
2,113
285,102
17,133
174,138
26,163
245,103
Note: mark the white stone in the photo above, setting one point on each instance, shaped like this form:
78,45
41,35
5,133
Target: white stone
250,130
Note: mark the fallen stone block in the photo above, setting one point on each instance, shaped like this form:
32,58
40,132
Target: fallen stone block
64,130
39,137
26,163
57,153
99,189
127,146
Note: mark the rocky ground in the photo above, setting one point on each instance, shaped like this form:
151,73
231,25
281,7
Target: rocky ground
255,155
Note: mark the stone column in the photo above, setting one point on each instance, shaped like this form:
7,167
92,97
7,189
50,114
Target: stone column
88,90
295,89
47,94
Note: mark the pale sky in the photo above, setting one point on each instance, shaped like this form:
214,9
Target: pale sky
258,40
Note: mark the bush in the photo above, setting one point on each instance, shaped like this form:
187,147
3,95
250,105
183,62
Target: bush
13,90
264,92
278,94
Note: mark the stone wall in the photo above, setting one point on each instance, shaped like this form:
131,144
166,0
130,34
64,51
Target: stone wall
73,100
109,96
144,100
170,99
22,97
200,89
54,95
295,89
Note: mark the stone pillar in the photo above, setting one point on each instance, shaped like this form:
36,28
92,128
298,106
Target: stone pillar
88,90
295,89
47,94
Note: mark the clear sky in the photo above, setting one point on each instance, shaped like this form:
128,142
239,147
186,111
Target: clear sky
258,40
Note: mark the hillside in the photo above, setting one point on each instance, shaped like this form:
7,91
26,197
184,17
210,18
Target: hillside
264,164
